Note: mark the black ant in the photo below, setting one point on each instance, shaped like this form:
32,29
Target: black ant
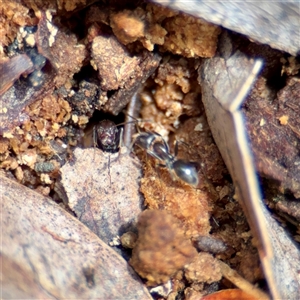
157,147
107,136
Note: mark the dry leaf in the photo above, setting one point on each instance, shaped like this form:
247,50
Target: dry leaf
47,253
12,69
103,190
230,294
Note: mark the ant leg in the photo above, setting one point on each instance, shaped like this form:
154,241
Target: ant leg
169,169
109,170
176,148
94,140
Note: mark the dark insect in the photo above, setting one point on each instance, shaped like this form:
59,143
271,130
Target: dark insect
157,147
107,136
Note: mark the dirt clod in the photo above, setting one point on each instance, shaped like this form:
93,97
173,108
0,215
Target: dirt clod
161,248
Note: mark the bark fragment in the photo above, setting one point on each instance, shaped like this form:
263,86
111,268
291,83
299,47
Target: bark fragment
103,191
273,128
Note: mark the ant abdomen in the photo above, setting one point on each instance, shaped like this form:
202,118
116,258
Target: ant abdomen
157,147
186,171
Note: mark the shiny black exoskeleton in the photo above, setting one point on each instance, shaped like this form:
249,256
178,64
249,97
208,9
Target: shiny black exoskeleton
157,147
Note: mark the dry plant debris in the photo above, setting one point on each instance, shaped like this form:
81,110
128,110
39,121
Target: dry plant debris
108,53
190,37
106,198
229,294
240,282
54,256
64,60
273,126
129,71
12,69
221,78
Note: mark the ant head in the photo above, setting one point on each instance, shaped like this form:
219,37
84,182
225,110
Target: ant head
107,135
